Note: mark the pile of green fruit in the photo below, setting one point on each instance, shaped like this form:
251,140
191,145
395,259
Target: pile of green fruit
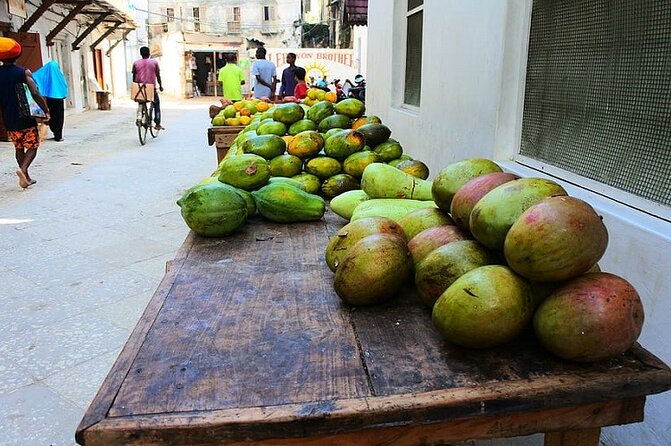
287,160
491,254
326,146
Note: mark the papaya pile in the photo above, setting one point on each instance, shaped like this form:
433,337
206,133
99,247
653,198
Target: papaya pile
490,253
326,146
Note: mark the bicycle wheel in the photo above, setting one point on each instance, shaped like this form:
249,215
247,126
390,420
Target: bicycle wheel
150,119
141,124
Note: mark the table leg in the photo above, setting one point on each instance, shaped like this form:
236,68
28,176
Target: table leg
582,437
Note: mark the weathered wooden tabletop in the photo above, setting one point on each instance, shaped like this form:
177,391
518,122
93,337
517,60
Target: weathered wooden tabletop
246,341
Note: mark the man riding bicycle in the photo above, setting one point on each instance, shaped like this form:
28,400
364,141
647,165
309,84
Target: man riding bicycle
147,71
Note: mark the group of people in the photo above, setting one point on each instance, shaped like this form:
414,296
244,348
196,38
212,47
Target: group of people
264,77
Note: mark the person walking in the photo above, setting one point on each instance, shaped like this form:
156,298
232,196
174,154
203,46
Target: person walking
288,84
232,78
264,74
147,71
53,86
22,131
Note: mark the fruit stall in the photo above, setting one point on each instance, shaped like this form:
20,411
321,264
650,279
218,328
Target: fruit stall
330,293
245,340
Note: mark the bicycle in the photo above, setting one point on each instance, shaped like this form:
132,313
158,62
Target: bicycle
145,115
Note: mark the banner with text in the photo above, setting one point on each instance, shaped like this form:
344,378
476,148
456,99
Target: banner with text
319,63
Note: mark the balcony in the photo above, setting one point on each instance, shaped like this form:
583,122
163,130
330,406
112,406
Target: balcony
269,28
233,27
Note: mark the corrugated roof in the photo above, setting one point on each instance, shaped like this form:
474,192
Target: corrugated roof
356,12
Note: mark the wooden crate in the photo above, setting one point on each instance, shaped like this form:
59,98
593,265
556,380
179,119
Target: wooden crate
222,137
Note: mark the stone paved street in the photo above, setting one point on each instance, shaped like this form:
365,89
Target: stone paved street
82,252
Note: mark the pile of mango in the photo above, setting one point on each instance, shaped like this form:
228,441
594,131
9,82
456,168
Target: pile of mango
238,113
315,95
490,253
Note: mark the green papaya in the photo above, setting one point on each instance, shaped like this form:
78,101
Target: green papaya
285,203
381,180
331,132
319,111
334,121
399,160
345,203
287,180
249,200
350,107
244,136
288,113
337,184
301,126
268,146
357,162
375,133
246,171
416,168
323,166
306,144
344,143
311,182
389,150
272,128
253,125
393,208
213,209
285,165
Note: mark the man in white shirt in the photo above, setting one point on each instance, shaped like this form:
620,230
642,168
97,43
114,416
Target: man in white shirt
264,74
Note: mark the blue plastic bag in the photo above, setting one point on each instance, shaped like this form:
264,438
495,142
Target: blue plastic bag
50,81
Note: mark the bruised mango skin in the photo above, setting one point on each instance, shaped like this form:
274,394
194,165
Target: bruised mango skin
354,231
374,270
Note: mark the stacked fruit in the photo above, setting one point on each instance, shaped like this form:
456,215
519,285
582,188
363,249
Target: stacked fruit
491,254
285,158
239,113
325,147
315,95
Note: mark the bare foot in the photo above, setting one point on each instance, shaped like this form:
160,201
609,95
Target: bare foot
23,180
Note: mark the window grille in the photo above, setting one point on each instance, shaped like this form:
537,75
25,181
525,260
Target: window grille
598,92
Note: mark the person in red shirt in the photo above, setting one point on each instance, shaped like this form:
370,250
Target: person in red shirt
301,90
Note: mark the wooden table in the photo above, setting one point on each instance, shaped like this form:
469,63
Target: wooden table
245,341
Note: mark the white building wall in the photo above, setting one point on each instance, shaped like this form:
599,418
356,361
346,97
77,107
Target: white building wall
77,65
473,69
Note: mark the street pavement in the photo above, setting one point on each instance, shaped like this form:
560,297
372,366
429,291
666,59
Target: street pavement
82,252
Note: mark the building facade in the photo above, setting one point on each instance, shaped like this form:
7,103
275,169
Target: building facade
575,90
86,38
206,30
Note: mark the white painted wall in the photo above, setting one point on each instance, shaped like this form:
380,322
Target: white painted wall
473,69
77,65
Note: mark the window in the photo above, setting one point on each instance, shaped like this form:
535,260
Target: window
170,14
268,13
597,95
413,53
233,24
196,19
